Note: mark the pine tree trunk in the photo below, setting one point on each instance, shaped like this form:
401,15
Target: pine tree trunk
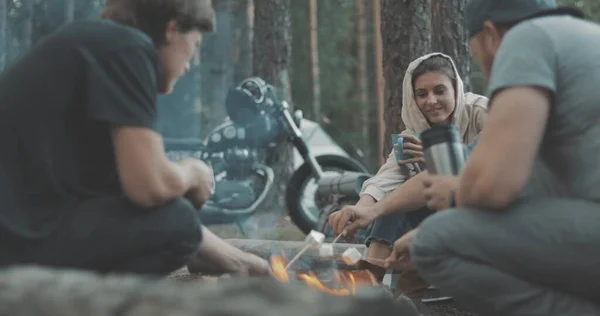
272,49
216,66
450,36
243,23
314,58
69,10
3,33
361,15
379,81
26,39
406,35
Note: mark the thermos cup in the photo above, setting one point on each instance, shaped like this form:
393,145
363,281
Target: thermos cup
444,151
399,140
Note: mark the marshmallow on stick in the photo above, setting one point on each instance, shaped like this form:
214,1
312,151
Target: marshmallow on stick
351,256
326,250
315,238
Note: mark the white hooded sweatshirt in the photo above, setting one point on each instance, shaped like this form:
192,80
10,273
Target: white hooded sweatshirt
469,117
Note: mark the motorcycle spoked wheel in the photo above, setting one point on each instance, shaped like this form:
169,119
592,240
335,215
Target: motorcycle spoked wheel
302,187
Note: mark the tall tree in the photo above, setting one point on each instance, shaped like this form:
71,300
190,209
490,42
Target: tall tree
27,26
450,36
272,48
69,10
216,67
379,81
243,23
362,77
314,58
406,35
3,33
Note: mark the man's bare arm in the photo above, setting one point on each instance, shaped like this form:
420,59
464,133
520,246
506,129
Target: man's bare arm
405,198
147,176
501,163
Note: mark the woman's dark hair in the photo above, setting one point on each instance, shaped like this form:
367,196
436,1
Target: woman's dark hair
152,16
435,64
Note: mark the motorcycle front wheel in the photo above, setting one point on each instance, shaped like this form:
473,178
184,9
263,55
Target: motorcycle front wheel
301,190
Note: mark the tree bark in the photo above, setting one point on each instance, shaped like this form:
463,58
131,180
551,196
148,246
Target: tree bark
450,36
379,81
216,66
272,49
69,10
406,35
361,15
314,58
243,20
27,39
3,33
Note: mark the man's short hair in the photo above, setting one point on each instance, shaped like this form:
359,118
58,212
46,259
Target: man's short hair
152,16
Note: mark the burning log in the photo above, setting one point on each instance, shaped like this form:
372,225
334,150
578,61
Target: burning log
35,291
266,248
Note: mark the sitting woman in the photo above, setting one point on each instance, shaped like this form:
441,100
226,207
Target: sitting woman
433,94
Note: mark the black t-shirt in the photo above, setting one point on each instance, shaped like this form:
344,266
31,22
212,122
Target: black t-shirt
57,104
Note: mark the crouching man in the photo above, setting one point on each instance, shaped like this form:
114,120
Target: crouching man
84,180
502,251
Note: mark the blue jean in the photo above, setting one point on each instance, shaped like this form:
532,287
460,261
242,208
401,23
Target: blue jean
389,228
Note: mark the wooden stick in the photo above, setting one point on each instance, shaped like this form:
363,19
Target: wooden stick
303,250
336,238
372,259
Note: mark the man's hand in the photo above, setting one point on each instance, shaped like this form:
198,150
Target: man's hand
200,192
400,256
411,145
351,218
438,190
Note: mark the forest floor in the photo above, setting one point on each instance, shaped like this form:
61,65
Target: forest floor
277,227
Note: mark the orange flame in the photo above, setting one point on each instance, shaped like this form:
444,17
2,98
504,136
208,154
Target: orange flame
348,281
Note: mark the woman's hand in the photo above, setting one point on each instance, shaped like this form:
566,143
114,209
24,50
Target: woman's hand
411,145
351,218
438,191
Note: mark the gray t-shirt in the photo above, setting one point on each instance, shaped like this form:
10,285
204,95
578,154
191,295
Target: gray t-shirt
561,54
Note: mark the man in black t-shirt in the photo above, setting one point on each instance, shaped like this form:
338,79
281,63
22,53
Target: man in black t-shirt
84,181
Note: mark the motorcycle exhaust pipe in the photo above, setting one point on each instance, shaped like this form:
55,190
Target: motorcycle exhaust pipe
347,184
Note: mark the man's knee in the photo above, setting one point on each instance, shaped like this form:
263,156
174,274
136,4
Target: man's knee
183,225
440,235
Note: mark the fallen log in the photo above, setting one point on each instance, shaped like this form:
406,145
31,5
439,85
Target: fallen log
30,291
310,259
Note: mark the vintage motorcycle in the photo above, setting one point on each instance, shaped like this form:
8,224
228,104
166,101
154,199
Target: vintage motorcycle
257,122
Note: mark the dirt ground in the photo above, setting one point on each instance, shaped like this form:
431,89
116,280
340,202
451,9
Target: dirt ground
277,227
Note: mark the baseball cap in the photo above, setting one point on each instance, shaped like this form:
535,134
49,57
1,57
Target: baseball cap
510,11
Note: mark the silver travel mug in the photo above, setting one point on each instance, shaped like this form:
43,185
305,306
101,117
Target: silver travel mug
445,153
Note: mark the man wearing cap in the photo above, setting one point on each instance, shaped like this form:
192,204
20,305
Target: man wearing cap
504,250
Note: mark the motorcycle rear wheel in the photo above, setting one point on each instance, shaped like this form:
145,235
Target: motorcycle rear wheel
303,184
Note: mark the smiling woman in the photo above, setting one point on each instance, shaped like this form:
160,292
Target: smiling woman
433,94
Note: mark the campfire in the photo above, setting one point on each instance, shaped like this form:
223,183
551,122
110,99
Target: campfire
340,283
